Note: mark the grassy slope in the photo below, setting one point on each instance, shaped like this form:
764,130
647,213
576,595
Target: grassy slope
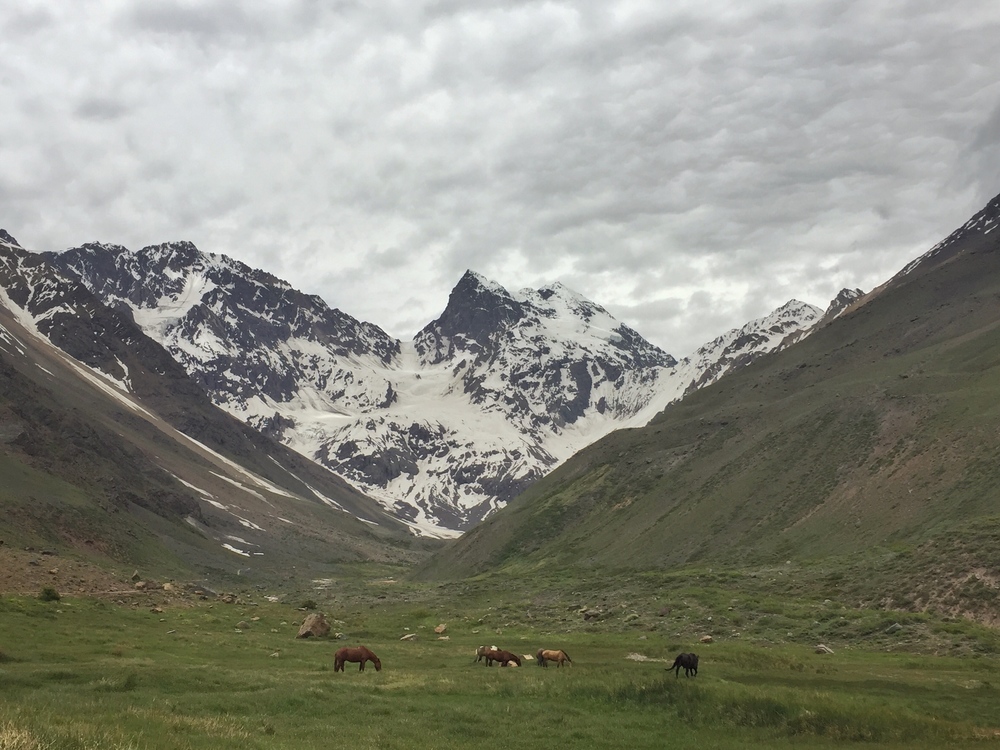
878,431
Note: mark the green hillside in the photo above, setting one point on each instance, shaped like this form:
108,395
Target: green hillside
879,431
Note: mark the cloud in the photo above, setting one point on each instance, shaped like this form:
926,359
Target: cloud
687,165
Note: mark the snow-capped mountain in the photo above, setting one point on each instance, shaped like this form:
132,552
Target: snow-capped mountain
107,419
442,430
739,347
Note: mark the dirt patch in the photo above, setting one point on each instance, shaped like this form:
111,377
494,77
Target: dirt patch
29,572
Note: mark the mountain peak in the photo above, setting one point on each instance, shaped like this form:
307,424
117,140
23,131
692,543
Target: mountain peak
844,299
477,309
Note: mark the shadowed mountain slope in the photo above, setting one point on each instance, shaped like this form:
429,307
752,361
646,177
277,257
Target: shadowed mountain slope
107,448
880,428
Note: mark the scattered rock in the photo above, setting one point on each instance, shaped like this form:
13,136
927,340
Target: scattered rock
315,625
705,639
409,637
591,614
136,576
169,587
444,637
664,612
243,625
894,628
140,585
822,648
440,628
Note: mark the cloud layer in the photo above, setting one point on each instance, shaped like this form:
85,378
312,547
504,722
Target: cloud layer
688,165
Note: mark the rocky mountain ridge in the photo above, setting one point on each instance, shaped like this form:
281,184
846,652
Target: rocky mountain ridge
108,448
442,430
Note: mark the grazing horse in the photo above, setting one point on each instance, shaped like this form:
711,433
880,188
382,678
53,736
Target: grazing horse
688,661
482,651
357,654
544,656
504,657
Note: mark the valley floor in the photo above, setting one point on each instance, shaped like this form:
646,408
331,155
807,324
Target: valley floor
156,670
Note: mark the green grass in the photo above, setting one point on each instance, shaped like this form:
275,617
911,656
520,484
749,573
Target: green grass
89,674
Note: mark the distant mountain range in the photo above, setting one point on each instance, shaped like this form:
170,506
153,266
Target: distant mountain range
869,426
441,430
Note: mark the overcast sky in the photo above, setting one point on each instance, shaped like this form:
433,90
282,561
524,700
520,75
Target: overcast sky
689,165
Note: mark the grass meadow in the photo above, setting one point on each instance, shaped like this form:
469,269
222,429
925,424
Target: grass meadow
83,674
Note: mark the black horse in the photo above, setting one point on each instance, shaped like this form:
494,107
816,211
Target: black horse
688,661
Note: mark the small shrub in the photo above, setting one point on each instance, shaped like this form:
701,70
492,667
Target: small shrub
49,594
308,604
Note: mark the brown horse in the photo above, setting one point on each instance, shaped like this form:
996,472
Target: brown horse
544,656
688,661
504,657
482,651
357,654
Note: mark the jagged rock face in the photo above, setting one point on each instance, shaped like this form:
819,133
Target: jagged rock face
249,338
508,352
841,302
442,431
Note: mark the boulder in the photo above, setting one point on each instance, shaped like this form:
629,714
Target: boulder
440,628
705,639
315,625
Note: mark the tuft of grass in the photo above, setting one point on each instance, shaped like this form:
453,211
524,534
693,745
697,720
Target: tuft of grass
123,684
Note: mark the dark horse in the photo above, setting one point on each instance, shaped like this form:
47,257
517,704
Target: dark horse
544,656
688,661
504,657
359,654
